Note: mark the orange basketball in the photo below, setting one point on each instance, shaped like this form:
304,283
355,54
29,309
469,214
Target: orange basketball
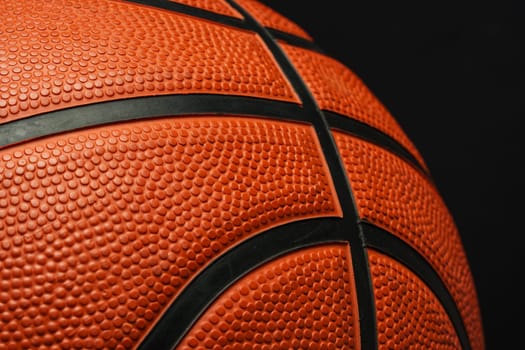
198,174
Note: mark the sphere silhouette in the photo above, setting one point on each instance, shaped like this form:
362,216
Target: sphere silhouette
200,174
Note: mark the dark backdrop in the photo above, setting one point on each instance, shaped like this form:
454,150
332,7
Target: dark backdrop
452,75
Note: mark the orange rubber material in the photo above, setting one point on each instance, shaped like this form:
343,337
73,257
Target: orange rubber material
337,89
73,60
100,229
391,194
304,300
218,6
409,315
272,19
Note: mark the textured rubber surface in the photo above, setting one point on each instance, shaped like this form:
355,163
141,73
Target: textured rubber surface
337,89
149,148
271,19
391,194
218,6
304,300
99,230
365,132
73,59
409,316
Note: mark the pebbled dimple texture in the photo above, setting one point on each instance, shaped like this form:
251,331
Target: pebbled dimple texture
218,6
100,229
392,195
409,315
268,17
304,300
337,89
100,50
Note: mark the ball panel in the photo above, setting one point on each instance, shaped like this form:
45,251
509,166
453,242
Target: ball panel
337,89
305,300
101,228
218,6
393,195
272,19
106,50
409,315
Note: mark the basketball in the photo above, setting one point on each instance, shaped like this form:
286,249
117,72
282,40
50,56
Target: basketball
199,174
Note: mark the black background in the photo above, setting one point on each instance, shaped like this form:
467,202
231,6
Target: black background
452,75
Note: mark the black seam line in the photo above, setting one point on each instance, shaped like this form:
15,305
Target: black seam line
142,108
382,240
238,261
227,20
295,40
373,135
367,314
193,11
